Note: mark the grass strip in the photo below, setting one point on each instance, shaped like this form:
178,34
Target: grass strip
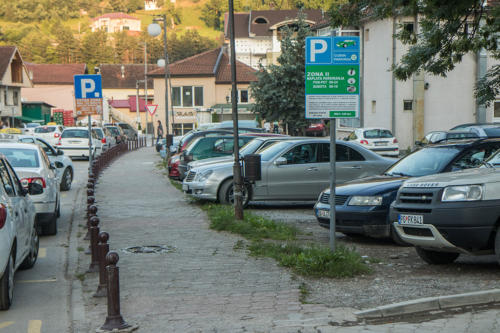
313,260
252,227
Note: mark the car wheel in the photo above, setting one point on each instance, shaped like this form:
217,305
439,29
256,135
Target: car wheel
436,258
67,179
7,284
226,193
396,239
30,260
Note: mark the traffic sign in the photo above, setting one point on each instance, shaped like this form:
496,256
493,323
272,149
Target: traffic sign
88,94
332,77
151,108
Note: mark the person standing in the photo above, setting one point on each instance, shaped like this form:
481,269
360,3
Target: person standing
159,131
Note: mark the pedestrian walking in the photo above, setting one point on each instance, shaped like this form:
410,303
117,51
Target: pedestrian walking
267,126
159,132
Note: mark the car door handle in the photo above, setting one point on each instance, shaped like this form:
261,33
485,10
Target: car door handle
312,169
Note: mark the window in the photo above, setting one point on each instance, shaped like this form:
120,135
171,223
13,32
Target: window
352,136
6,100
474,157
6,181
407,105
367,35
15,98
302,154
496,112
243,98
186,96
347,154
15,180
260,20
126,28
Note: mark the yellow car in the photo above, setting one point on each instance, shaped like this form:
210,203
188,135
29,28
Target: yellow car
10,130
52,123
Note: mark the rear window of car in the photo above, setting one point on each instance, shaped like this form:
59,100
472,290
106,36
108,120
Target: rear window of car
113,130
98,132
45,129
21,158
377,134
75,133
492,132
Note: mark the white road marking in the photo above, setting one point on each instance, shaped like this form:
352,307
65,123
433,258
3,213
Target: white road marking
42,252
34,326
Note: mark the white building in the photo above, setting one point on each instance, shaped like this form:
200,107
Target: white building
116,22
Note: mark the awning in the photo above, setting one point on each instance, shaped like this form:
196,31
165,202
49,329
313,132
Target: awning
25,119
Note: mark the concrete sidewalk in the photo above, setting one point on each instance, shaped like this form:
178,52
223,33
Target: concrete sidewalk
205,285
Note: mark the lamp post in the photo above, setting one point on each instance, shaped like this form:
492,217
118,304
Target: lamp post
137,104
154,29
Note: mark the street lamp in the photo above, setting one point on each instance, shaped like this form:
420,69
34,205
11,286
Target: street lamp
154,29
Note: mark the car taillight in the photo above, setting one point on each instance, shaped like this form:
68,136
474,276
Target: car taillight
56,135
363,142
39,180
103,140
3,215
395,140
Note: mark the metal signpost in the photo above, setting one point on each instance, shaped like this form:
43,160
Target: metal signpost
88,100
332,91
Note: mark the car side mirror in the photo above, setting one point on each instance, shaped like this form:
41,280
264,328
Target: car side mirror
35,189
280,161
59,165
418,143
60,152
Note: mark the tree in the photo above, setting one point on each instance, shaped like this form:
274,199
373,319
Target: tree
188,44
211,13
279,93
448,31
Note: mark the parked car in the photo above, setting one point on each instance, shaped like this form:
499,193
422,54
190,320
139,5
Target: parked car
29,128
51,133
32,165
362,206
450,214
462,127
491,131
105,136
440,136
317,129
207,147
378,140
117,133
295,170
74,141
19,240
130,132
191,136
65,173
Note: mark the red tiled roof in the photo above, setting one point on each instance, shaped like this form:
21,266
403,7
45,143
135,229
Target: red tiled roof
55,73
209,63
6,54
129,103
119,103
119,15
114,78
240,27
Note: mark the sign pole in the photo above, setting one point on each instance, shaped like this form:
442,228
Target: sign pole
90,142
333,150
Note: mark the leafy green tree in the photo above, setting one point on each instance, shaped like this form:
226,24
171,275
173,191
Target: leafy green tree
211,13
187,45
448,31
279,93
67,47
118,5
96,49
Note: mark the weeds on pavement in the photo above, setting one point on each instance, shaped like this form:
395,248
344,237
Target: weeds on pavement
176,184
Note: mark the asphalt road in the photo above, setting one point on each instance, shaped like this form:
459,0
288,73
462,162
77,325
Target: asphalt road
42,300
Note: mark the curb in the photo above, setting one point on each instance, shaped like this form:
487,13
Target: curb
431,304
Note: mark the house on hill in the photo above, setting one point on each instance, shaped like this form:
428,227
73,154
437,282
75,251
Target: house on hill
117,22
53,84
200,90
258,33
13,77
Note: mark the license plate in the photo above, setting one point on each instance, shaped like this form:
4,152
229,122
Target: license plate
383,143
410,219
323,213
75,141
185,187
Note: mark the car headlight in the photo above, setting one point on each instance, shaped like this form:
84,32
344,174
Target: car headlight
463,193
365,201
202,176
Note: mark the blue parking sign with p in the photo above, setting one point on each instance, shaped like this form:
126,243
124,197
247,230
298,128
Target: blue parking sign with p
88,86
318,50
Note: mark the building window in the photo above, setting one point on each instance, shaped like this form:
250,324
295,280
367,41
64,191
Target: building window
15,98
5,99
408,27
367,35
260,20
187,96
496,112
374,106
407,105
243,96
126,28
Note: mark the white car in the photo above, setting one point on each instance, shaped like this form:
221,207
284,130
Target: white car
74,141
19,240
32,165
64,173
29,128
378,140
107,139
50,133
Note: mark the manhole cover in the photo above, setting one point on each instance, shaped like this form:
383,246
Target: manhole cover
150,249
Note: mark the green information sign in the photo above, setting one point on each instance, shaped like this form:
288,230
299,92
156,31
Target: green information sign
339,79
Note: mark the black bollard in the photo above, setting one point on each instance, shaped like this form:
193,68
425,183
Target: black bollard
92,212
102,251
90,202
114,320
94,234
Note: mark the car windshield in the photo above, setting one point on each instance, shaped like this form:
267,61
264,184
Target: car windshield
113,130
98,132
424,162
492,132
377,134
494,160
45,129
31,125
250,147
21,158
75,133
269,152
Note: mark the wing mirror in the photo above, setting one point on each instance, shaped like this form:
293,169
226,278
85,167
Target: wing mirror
280,161
60,152
35,188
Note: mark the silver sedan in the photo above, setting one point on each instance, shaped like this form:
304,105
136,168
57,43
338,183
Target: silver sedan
294,170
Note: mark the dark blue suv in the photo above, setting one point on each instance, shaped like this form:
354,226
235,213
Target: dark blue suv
362,206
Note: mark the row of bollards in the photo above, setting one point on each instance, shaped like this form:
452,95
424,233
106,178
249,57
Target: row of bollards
103,260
